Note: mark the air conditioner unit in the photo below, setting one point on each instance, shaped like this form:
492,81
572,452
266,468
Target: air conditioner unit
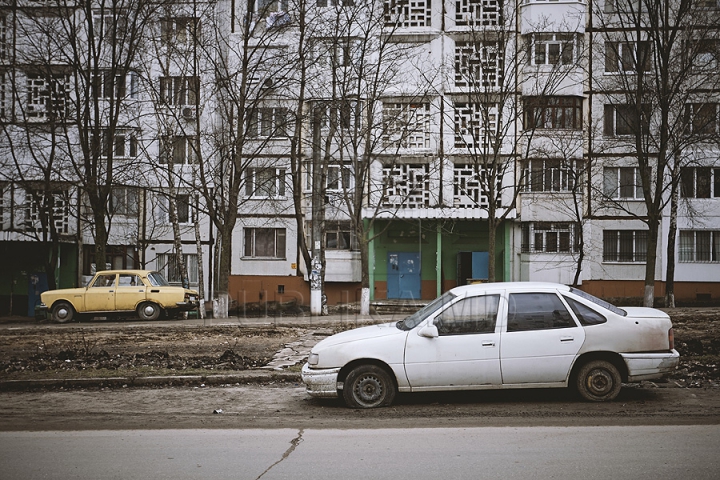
188,113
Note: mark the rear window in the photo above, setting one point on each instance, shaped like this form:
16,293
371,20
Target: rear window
587,316
597,301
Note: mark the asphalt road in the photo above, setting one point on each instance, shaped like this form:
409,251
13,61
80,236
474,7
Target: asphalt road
637,452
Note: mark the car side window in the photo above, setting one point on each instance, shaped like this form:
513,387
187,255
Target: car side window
469,315
128,280
537,311
105,281
586,315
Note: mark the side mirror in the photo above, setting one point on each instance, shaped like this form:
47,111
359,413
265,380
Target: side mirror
429,331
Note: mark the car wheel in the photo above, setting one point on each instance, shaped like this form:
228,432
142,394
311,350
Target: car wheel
148,311
62,312
368,386
598,381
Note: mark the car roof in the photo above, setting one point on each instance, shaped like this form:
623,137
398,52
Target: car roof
520,286
142,273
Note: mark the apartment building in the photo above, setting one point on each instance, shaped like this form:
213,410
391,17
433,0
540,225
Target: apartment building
441,142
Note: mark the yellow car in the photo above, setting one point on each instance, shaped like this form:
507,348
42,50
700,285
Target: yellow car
110,292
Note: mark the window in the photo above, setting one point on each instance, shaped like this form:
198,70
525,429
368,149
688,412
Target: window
129,280
179,90
3,38
344,113
627,56
265,182
124,201
167,264
107,280
266,6
339,236
706,54
699,182
110,23
335,52
184,208
184,205
555,113
478,64
338,178
626,120
586,315
4,97
699,246
549,237
123,144
335,3
107,85
267,122
470,315
551,175
625,245
265,243
701,118
537,311
48,96
622,183
179,30
406,125
178,150
553,49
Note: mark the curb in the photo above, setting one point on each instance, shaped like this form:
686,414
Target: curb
168,380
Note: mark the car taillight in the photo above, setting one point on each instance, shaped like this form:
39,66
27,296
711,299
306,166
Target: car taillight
671,339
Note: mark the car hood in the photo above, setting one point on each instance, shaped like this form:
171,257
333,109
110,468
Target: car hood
644,312
362,333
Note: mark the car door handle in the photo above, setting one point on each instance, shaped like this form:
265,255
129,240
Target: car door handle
567,339
111,291
154,291
488,344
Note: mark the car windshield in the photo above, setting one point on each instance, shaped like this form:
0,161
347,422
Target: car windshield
157,280
413,320
597,301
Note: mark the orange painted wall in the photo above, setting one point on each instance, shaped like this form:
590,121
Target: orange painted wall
259,289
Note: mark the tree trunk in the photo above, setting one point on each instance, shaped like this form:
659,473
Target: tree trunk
365,277
670,273
649,294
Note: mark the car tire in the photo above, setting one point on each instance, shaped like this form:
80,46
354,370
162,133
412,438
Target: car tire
148,311
598,381
62,312
368,386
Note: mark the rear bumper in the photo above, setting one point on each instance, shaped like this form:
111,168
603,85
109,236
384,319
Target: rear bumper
320,383
646,366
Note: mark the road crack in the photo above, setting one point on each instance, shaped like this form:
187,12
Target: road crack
293,445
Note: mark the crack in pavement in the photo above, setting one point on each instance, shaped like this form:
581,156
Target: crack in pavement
293,445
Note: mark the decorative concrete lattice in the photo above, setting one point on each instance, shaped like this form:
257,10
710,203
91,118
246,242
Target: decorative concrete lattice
47,95
408,13
407,125
58,213
406,186
477,13
475,125
477,64
470,187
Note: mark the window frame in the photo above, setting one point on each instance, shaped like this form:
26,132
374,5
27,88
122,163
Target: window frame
689,243
620,183
553,113
257,178
615,249
250,243
548,40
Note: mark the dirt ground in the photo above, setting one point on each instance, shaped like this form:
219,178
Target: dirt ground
690,396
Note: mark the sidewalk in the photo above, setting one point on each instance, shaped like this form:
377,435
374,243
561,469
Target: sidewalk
292,354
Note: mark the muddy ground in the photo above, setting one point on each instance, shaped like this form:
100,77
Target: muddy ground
133,349
690,396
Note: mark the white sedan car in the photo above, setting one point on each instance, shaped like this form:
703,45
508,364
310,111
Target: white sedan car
496,336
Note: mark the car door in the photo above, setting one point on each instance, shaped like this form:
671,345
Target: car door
100,294
465,353
130,291
540,339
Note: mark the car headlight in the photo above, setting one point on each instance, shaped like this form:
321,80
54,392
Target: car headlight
313,359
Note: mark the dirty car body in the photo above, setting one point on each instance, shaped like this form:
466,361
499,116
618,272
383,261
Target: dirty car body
119,292
496,336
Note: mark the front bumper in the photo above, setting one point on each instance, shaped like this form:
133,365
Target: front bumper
41,312
321,383
646,366
187,306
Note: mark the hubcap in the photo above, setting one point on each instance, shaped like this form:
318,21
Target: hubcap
62,313
149,310
368,389
599,382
